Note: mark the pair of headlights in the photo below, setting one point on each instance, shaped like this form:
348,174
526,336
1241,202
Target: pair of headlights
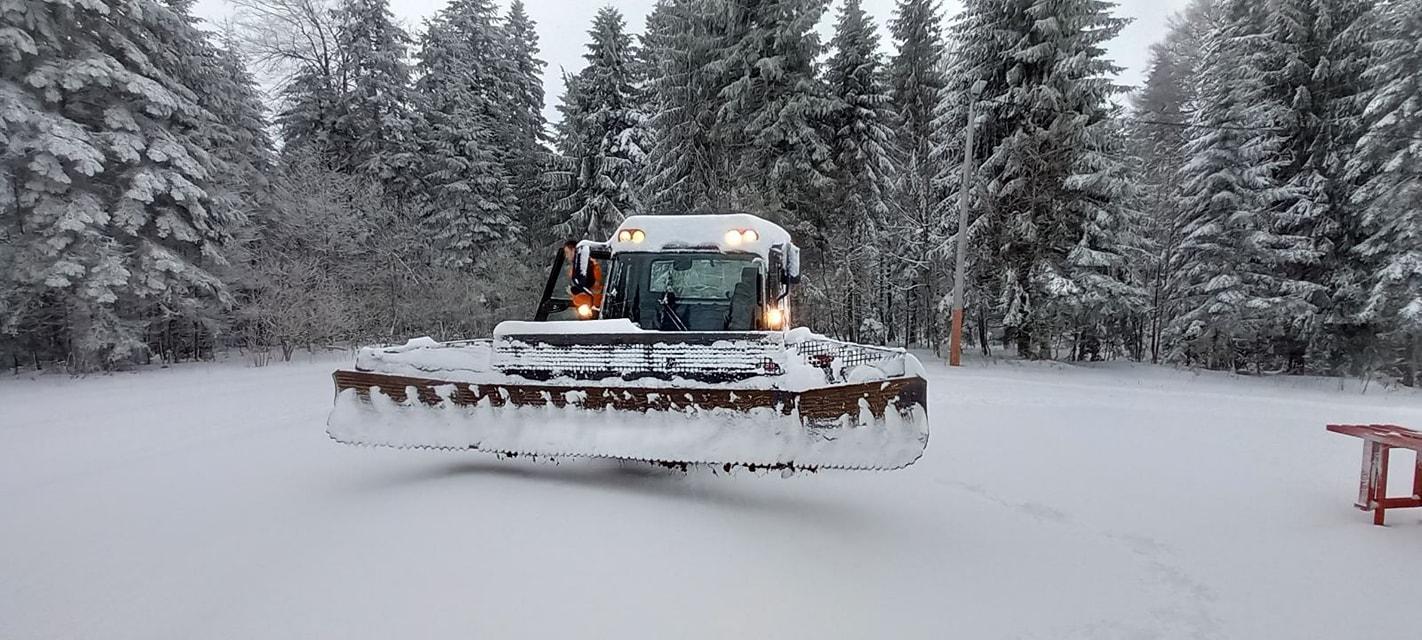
631,235
733,237
774,318
737,237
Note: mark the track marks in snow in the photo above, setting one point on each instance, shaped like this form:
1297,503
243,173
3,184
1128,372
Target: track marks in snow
1189,612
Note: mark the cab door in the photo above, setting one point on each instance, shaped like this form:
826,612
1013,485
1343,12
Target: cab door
557,300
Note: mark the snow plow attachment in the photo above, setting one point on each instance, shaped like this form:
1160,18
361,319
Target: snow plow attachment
824,405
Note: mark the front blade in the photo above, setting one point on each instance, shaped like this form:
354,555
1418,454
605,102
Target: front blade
878,425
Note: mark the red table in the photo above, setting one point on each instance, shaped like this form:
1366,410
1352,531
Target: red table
1378,440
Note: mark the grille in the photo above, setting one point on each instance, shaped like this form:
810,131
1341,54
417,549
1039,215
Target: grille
718,357
826,353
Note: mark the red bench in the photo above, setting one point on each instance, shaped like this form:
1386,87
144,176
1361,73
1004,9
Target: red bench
1378,440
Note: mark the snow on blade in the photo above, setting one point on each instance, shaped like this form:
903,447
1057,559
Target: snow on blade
762,436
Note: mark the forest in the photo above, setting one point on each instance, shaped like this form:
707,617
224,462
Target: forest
318,174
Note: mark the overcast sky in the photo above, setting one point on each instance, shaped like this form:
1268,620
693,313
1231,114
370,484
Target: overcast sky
563,25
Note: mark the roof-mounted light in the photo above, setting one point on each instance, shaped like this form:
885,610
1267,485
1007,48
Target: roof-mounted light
631,235
737,237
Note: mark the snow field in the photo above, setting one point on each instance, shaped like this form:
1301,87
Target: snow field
1052,502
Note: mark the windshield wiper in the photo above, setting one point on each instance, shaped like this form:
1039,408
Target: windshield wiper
667,307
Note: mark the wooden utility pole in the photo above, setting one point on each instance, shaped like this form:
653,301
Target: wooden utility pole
955,342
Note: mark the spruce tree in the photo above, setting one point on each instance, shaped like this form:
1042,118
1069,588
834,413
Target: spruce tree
468,201
113,221
686,167
770,107
1236,293
1157,135
373,115
1054,208
861,120
524,136
916,82
1388,163
603,135
1315,54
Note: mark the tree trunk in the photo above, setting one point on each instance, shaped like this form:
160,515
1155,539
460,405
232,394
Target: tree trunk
1414,361
983,334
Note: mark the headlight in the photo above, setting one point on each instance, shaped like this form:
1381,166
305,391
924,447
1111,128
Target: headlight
749,235
585,310
733,237
638,236
774,318
624,235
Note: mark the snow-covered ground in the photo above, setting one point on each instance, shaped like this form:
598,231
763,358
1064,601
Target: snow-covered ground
1115,501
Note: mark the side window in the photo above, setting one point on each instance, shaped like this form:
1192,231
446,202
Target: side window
557,300
773,271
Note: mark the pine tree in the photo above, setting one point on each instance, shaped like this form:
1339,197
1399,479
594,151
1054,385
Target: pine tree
1053,213
468,200
1388,162
603,129
1236,295
916,82
525,135
686,168
862,140
1315,55
115,224
373,115
770,108
1161,108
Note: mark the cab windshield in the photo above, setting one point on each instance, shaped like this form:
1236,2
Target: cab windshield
685,292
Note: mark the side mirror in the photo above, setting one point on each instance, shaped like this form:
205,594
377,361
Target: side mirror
792,264
581,279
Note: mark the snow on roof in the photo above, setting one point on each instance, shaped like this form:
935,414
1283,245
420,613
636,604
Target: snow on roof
700,232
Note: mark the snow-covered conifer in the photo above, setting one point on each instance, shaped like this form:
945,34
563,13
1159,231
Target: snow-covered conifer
115,222
1053,214
860,121
1161,108
373,117
1314,58
1235,294
916,81
770,106
524,122
603,129
686,167
1389,161
468,199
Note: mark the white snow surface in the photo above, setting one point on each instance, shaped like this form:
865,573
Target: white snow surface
1114,501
